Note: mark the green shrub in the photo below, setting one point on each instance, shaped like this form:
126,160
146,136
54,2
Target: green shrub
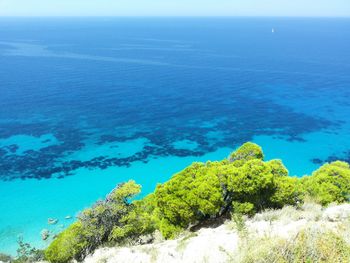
330,183
288,191
95,226
247,151
246,208
252,183
70,244
141,220
100,220
190,196
277,168
168,229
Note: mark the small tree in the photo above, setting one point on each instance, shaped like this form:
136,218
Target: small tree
94,225
252,183
330,183
188,197
248,151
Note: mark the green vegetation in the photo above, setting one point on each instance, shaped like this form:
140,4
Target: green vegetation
71,243
246,152
5,258
242,184
329,184
112,220
25,254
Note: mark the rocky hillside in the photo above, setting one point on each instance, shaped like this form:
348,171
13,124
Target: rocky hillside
308,234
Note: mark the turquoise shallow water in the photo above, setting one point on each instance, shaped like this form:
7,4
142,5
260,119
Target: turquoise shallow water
88,103
29,204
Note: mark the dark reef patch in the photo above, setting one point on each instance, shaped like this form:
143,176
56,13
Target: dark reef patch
317,161
242,121
345,157
39,164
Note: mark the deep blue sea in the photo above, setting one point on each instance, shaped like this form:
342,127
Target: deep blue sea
87,103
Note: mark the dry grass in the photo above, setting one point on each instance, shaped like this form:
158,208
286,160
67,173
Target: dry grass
319,240
310,245
308,211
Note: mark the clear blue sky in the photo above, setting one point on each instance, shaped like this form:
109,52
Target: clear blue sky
174,7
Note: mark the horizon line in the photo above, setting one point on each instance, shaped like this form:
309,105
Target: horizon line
171,16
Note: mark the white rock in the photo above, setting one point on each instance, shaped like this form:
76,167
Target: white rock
336,213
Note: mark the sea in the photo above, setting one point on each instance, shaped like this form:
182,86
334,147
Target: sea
89,103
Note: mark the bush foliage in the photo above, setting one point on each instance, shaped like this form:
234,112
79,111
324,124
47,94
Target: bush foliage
106,221
330,183
242,184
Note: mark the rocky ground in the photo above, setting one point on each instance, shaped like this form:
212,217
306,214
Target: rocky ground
235,239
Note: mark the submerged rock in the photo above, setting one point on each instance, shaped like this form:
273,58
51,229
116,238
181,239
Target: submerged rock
52,221
45,234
